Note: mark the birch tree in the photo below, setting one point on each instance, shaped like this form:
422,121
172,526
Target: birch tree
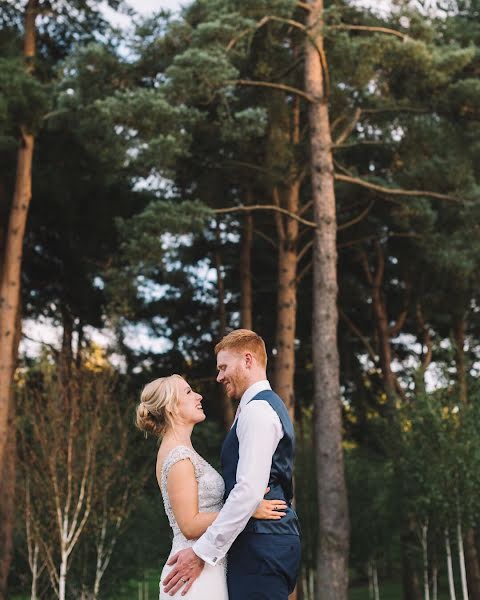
61,439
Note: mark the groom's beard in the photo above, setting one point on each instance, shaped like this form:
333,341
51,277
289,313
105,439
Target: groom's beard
235,386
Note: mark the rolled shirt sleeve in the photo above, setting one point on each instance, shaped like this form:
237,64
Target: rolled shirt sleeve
259,431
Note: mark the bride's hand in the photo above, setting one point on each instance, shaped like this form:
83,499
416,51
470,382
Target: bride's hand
270,509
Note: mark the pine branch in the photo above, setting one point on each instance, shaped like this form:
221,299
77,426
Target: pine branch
357,219
265,237
304,250
373,29
304,271
395,191
355,330
349,128
276,86
265,207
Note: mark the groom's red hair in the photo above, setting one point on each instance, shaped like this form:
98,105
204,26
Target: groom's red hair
244,340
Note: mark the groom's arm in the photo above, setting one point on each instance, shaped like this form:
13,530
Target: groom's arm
259,431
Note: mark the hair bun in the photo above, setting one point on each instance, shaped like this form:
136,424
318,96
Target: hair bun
157,405
142,411
146,421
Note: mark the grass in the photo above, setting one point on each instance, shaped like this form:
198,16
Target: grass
388,591
148,590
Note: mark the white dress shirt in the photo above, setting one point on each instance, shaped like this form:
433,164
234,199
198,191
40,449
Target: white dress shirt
258,430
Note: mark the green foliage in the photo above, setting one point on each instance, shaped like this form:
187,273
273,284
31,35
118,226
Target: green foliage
23,99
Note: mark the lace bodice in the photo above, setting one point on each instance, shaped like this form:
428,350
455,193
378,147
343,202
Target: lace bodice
210,489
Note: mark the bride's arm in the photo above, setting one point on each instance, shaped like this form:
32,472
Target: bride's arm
183,494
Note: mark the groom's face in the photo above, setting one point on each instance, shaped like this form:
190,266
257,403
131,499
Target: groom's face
232,373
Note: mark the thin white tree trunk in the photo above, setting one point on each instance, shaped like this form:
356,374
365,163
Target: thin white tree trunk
461,559
451,584
311,583
376,589
426,586
371,592
434,583
62,583
34,573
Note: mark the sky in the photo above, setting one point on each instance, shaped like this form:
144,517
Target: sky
144,8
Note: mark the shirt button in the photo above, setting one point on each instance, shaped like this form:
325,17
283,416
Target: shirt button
214,559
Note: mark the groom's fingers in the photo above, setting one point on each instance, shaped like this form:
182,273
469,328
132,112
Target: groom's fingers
188,585
174,589
173,560
172,583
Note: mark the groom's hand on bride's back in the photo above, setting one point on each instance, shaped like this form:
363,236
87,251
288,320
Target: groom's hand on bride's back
187,567
270,509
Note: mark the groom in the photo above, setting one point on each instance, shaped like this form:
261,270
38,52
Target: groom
263,555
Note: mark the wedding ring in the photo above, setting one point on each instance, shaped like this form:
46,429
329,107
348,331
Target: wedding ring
183,580
275,508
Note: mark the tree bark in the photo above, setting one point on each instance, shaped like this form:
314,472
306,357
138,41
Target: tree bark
461,560
471,552
410,579
451,582
284,372
459,338
472,565
227,406
7,498
246,320
10,284
9,309
332,556
426,582
375,280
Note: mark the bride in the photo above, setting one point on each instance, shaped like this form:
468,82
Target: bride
192,490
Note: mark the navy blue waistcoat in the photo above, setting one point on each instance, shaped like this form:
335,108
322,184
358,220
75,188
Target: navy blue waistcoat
281,471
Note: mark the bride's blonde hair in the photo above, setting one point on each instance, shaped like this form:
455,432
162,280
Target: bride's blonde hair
158,405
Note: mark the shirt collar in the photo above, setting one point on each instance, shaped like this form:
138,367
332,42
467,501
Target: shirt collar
253,390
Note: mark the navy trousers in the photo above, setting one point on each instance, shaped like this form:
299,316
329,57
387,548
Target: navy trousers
263,566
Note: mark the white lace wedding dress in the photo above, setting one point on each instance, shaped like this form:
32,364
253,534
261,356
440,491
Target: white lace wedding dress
212,583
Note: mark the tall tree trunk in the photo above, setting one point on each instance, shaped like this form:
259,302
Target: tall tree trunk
375,280
284,372
332,556
472,565
471,553
461,560
410,579
246,319
426,583
8,476
459,339
66,355
451,582
9,311
11,276
227,406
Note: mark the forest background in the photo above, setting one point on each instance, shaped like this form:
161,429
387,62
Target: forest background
306,169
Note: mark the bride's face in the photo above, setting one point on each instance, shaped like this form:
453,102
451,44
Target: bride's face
189,404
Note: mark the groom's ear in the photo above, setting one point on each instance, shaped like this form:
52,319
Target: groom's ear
248,360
